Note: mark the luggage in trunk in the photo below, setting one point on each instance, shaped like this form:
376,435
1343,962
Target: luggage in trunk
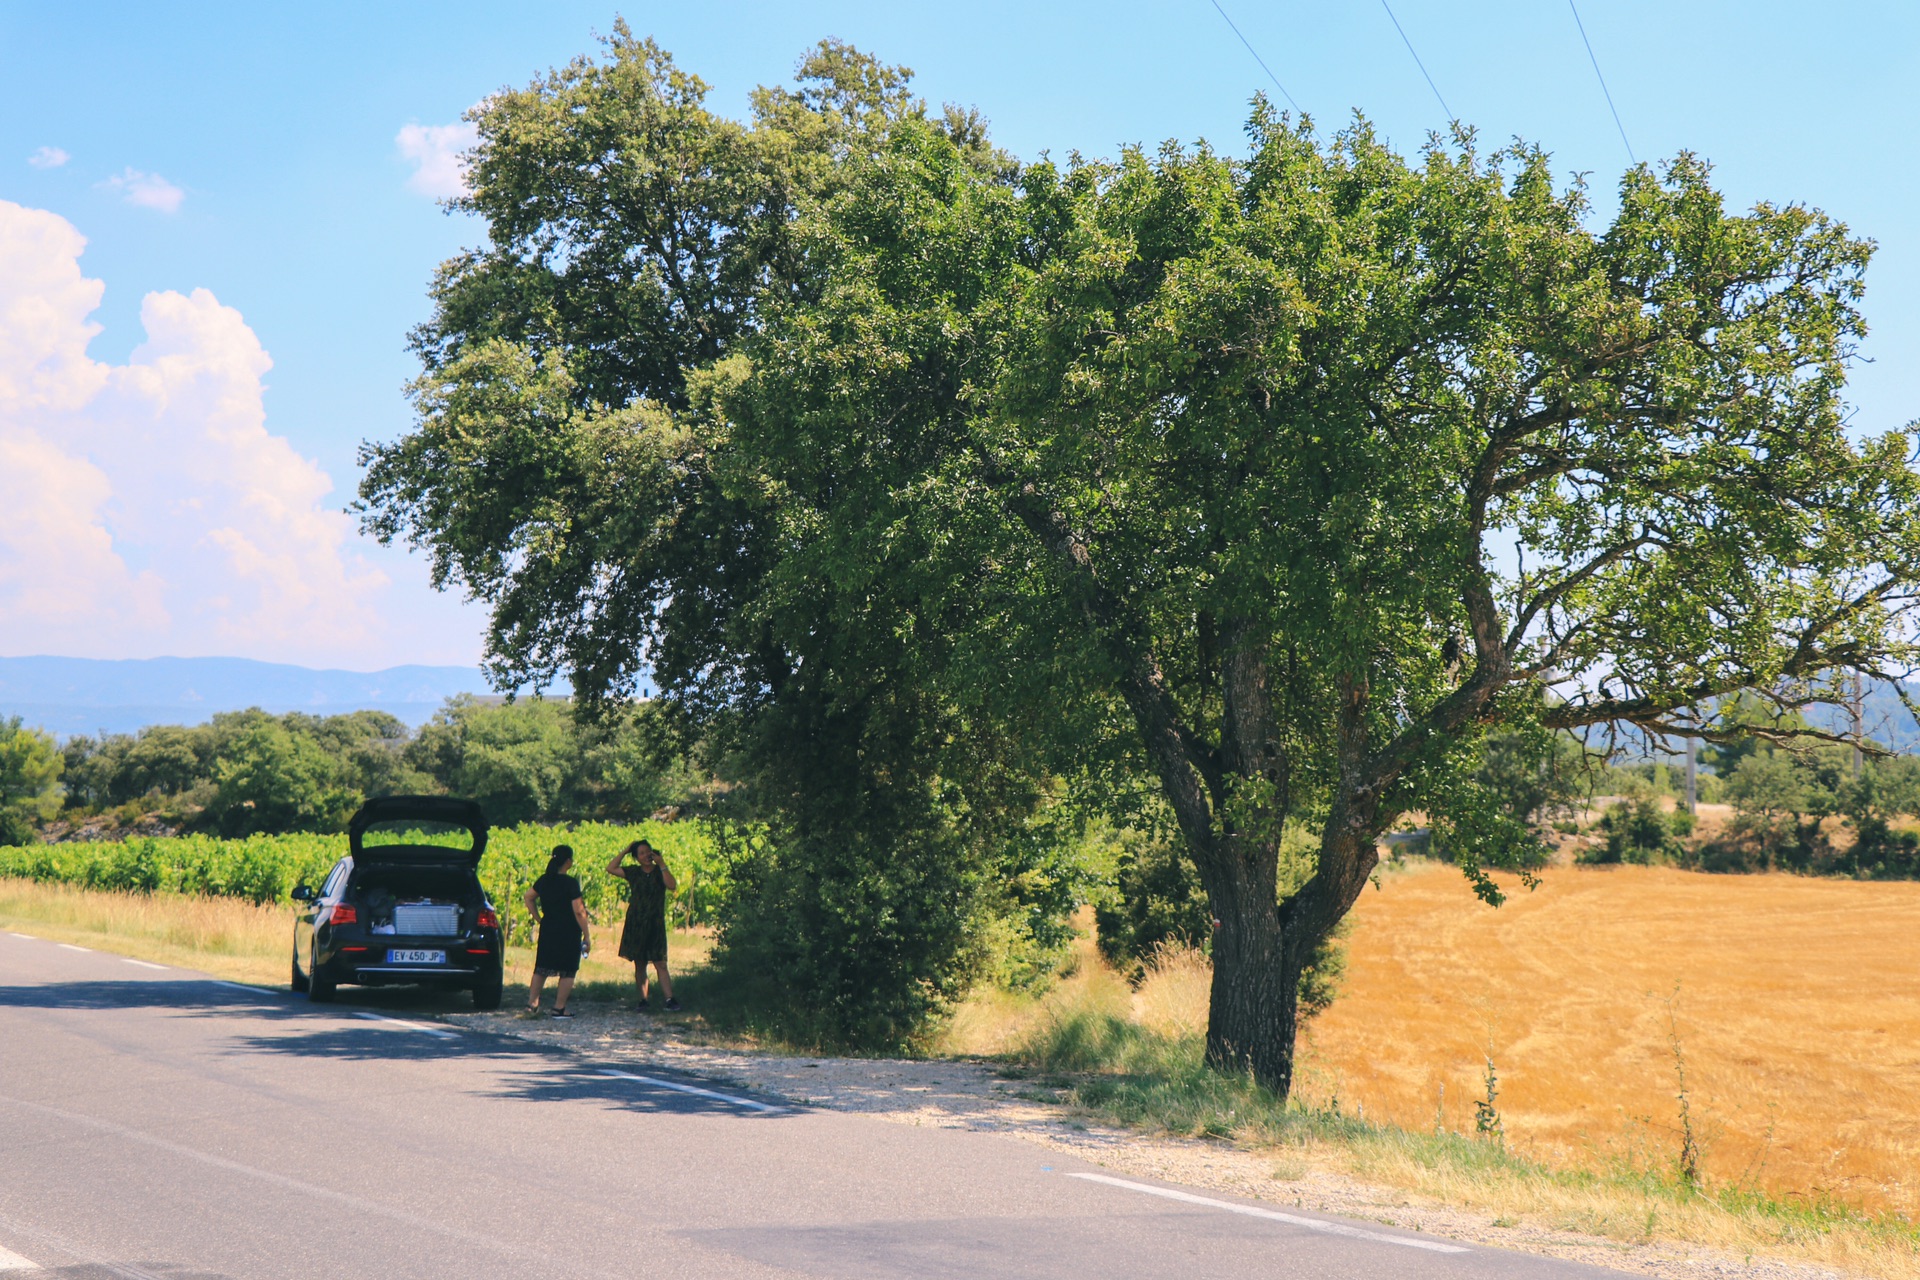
434,919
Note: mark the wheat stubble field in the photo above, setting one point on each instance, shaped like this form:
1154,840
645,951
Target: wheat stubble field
1797,1011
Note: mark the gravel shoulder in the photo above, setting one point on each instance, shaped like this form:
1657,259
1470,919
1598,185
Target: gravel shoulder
975,1095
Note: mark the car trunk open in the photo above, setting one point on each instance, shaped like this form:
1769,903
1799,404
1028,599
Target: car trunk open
420,893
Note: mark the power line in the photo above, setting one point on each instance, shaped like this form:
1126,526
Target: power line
1257,58
1603,82
1416,60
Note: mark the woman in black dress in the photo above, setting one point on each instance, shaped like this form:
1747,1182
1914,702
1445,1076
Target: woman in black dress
644,939
563,931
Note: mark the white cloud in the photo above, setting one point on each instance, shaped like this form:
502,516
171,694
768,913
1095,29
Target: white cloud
148,190
145,508
434,151
48,158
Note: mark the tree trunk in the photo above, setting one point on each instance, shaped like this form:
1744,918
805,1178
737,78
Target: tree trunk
1254,1001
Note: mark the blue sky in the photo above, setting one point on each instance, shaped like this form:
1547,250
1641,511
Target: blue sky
251,151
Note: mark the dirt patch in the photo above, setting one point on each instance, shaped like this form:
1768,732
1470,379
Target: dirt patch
975,1095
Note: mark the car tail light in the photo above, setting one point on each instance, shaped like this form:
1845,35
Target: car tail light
345,913
486,919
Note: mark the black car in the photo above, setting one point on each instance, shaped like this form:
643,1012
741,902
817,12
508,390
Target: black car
404,906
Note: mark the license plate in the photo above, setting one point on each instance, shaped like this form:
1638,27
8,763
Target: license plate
416,957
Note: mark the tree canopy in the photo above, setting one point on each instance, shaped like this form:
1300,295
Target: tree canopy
30,767
1253,489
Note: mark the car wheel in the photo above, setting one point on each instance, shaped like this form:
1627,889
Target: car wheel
486,992
320,988
299,980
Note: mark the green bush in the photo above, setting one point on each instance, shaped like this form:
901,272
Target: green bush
1157,900
842,938
30,767
1638,831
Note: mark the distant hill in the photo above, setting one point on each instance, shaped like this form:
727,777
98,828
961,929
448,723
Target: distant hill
1884,717
68,696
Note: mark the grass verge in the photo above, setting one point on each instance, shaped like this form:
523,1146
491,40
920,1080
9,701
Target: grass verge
1132,1057
1136,1058
243,942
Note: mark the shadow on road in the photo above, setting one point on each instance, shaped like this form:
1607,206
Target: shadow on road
296,1028
162,993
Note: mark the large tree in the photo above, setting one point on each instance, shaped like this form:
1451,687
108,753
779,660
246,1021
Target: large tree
1279,481
1326,464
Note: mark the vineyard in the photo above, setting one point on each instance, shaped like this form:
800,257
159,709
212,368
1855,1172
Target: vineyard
265,869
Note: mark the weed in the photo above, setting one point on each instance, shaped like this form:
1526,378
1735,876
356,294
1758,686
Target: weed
1486,1114
1688,1162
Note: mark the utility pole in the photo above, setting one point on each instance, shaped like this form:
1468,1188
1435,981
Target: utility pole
1693,775
1856,705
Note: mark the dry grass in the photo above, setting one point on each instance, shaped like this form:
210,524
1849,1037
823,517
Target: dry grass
241,942
1798,1013
1796,1004
226,937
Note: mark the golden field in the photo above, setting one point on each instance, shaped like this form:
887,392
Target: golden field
1795,1002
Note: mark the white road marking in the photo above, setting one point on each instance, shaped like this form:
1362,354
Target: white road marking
426,1027
13,1261
687,1088
1293,1219
488,1242
70,947
142,963
24,937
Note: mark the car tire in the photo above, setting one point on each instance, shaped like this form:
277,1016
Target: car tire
299,980
320,988
487,992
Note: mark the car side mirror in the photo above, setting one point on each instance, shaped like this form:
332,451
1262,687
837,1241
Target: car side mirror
302,893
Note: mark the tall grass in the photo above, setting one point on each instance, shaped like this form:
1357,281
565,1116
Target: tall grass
253,942
228,937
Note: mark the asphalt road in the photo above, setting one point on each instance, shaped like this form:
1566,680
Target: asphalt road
156,1122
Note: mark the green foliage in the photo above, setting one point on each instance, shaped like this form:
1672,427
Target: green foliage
245,771
1179,468
1536,775
519,760
1158,901
270,780
1640,831
634,239
1886,788
837,941
530,760
265,868
30,768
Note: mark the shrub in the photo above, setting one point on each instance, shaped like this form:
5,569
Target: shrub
1157,902
1638,831
836,937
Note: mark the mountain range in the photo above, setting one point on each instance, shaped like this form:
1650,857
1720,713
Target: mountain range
68,696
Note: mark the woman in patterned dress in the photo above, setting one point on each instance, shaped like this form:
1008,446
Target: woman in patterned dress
644,938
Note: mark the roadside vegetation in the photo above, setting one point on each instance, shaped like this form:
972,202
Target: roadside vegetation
1132,1053
263,869
1525,1136
251,942
1011,538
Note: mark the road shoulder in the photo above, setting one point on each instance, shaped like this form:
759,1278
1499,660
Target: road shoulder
977,1096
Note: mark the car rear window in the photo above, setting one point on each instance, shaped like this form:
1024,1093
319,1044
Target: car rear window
414,831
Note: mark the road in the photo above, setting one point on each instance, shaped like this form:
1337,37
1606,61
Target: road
156,1122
